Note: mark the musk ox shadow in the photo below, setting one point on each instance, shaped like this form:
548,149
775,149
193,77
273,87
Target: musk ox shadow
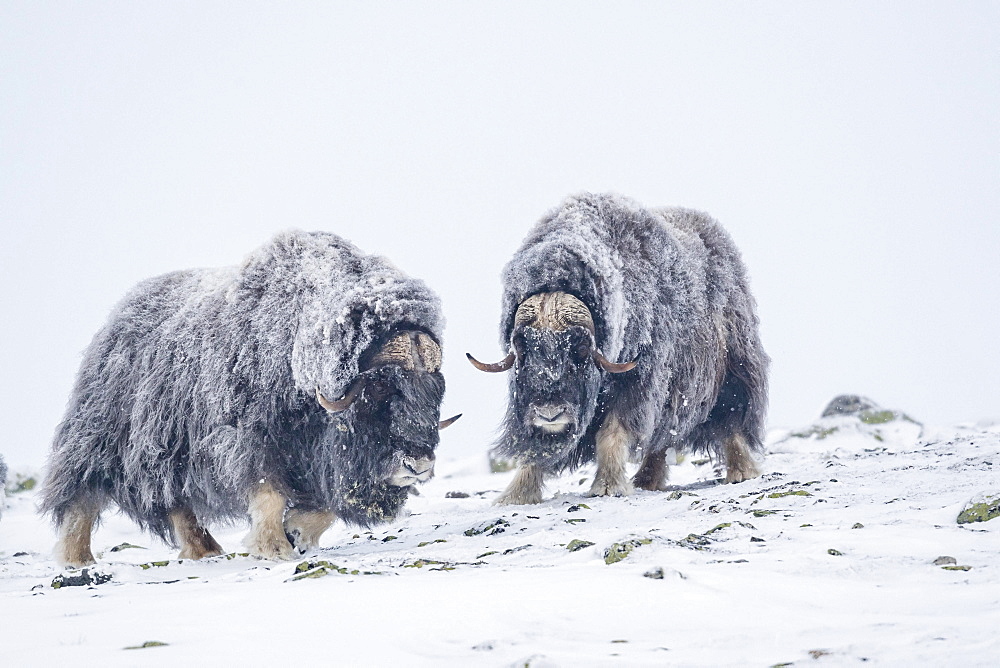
663,291
302,386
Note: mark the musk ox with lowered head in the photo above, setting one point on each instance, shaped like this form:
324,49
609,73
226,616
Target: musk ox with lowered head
663,291
301,386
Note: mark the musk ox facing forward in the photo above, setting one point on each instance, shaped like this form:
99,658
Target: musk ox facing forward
665,292
302,386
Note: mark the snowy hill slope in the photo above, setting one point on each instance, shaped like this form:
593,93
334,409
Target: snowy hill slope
828,559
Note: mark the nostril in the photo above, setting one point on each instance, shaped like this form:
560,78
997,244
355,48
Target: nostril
419,465
549,412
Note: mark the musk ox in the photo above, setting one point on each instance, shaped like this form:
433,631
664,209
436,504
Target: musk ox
665,292
302,386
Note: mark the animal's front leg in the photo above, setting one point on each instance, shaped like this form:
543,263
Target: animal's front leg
73,548
194,539
653,473
267,531
304,527
740,464
526,487
613,444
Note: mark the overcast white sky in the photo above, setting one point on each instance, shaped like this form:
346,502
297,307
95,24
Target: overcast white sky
852,150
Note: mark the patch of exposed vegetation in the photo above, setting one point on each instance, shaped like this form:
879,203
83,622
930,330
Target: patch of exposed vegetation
794,492
21,482
619,551
501,464
439,565
816,431
126,546
576,545
317,569
983,508
431,542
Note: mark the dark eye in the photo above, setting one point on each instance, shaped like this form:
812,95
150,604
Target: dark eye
582,350
378,390
519,344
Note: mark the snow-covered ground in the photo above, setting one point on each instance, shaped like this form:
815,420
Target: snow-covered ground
828,559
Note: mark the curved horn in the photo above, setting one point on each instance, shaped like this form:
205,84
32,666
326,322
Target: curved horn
447,423
612,367
340,404
502,365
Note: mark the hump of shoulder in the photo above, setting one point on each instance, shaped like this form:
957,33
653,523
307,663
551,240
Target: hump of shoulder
297,258
711,233
297,245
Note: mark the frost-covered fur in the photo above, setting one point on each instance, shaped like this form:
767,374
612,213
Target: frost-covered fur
666,288
200,393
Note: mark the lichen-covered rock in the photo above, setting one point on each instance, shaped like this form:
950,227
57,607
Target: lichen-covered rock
619,551
981,508
84,578
850,421
576,545
317,569
490,528
849,404
864,409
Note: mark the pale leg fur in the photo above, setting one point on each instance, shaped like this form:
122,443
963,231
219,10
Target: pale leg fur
614,442
267,532
73,548
740,465
526,487
653,473
195,540
306,526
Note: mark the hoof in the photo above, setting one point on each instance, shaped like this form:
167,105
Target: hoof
748,471
610,488
276,549
77,563
517,499
192,553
